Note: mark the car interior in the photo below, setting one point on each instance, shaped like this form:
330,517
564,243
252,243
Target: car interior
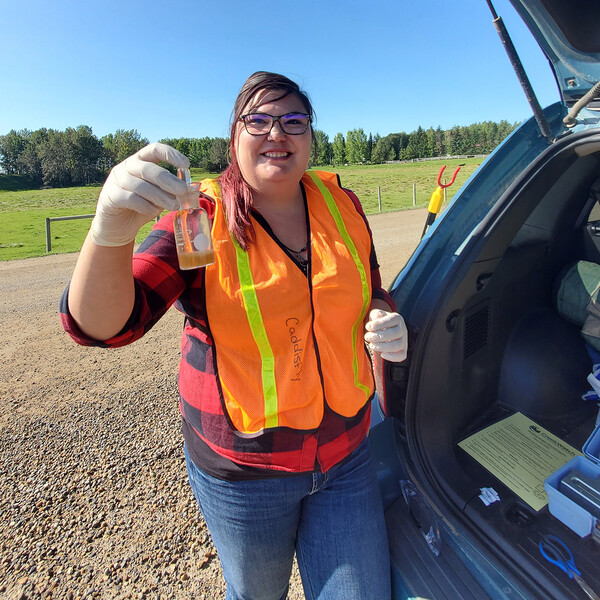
498,346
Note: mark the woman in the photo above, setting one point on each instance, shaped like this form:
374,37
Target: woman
275,380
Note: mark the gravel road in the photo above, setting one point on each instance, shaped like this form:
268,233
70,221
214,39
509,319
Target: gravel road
95,501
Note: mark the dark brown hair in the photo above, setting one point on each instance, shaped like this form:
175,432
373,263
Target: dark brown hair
236,193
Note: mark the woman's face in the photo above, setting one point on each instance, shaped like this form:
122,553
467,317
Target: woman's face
276,157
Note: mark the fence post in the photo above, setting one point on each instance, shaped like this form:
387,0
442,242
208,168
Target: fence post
48,242
379,197
414,194
50,219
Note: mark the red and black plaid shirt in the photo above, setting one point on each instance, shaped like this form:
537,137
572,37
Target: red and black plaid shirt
212,444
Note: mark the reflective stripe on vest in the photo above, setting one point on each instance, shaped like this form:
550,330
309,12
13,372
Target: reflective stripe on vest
275,331
366,290
260,336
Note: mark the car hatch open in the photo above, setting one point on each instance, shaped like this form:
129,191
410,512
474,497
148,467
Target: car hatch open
569,35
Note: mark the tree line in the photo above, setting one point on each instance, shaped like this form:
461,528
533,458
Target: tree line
52,158
356,148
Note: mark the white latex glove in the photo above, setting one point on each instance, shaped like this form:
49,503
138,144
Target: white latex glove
137,191
387,333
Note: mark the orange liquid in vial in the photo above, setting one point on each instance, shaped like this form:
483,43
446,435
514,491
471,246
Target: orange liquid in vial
192,239
195,260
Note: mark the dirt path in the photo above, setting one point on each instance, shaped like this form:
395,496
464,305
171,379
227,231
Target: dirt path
94,499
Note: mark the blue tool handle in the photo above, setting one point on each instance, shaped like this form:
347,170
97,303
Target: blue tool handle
550,553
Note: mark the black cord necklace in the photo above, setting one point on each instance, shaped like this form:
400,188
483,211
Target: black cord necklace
297,253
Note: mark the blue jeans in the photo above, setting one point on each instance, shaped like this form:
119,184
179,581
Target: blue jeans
333,521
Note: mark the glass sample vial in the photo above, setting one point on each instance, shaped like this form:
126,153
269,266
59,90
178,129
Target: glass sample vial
192,228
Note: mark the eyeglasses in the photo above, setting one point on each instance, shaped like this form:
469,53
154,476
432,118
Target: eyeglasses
261,123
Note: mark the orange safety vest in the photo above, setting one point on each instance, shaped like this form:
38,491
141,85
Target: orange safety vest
287,345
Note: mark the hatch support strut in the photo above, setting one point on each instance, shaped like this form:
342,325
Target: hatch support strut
515,61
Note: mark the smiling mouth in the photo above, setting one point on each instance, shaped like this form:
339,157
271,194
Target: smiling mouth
276,154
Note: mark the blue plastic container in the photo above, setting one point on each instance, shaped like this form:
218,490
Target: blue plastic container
592,447
577,518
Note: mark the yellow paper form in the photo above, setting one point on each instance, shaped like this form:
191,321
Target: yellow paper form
521,454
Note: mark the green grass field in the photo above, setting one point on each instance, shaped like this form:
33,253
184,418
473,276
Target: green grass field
23,212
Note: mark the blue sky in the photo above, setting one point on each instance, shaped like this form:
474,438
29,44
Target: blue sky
173,69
